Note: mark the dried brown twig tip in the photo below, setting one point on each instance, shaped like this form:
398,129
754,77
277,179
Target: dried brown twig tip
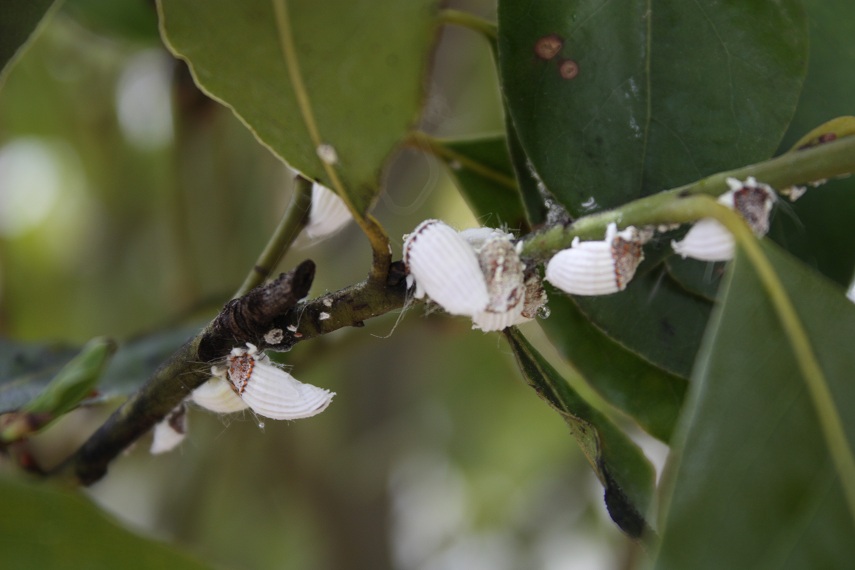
249,318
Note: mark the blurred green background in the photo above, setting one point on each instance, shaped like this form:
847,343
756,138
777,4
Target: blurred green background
130,204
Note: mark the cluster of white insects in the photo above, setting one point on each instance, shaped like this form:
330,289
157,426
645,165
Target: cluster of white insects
476,273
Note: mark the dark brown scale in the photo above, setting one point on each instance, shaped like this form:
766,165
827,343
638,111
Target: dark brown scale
751,203
240,369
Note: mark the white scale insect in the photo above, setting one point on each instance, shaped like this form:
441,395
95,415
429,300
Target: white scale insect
475,273
170,432
708,240
328,213
268,390
597,267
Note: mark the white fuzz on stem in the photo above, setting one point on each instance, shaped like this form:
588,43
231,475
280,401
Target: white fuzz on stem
446,268
708,240
270,391
328,213
597,267
171,431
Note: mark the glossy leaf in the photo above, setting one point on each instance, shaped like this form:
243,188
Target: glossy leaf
753,485
664,94
650,395
654,318
817,229
361,63
482,170
624,471
18,21
49,529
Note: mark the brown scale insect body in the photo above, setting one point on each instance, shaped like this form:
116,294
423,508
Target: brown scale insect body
240,370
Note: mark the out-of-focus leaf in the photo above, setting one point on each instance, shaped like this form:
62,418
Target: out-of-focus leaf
48,529
66,390
818,230
130,19
18,20
648,109
361,62
26,369
650,395
622,468
753,485
654,318
482,170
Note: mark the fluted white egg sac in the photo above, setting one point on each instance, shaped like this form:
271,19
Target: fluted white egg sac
504,273
708,240
270,391
328,213
217,395
445,267
597,267
170,431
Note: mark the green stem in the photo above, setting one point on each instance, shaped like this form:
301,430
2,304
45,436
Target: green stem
829,160
466,20
294,220
436,147
377,236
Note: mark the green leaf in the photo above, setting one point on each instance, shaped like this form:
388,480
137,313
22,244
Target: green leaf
654,318
75,382
818,230
130,19
624,471
48,529
360,62
650,395
26,369
666,92
482,170
529,185
19,20
701,278
753,485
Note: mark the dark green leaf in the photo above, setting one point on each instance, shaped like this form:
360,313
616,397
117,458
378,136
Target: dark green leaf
620,465
361,62
18,21
48,529
666,92
699,277
655,318
482,170
753,485
532,197
649,394
818,231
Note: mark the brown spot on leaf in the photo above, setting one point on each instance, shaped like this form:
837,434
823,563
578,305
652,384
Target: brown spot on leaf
548,47
568,69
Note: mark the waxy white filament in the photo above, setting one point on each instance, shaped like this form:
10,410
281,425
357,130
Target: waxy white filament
217,395
270,391
597,267
445,267
328,213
